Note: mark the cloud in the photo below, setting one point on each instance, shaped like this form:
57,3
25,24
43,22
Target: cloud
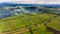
33,1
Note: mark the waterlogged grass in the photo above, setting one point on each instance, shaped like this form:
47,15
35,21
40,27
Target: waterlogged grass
55,24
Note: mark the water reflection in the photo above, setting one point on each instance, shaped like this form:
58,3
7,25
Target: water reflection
4,14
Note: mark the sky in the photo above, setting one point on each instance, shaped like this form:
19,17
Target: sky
33,1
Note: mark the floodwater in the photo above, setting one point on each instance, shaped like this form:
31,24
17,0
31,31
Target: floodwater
52,30
4,14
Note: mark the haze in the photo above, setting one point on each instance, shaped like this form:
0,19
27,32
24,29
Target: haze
33,1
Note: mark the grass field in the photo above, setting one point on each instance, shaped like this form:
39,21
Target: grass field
55,23
40,29
16,22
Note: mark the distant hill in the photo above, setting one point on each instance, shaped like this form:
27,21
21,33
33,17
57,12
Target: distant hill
45,5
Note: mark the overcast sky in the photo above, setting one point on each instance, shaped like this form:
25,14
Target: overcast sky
33,1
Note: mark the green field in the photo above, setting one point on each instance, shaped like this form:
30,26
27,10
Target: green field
55,23
16,22
40,29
